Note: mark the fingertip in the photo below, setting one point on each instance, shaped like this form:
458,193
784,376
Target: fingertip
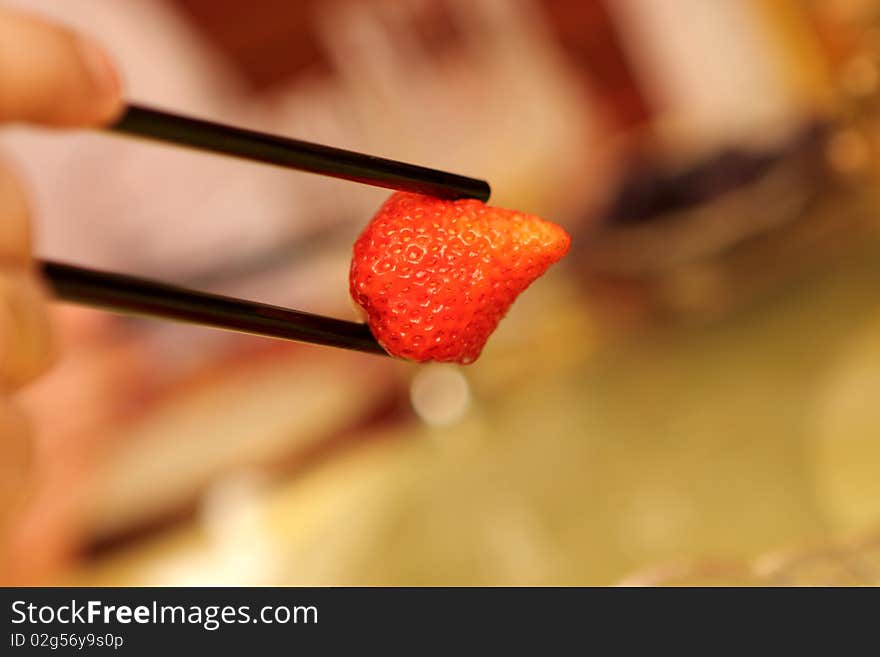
53,76
104,78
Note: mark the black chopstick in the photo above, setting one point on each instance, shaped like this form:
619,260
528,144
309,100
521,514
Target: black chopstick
138,296
295,154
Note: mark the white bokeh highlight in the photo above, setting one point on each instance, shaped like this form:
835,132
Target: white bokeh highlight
440,394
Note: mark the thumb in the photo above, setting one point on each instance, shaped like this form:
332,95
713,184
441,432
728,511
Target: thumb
52,76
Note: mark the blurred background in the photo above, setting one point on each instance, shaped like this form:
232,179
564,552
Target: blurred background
690,398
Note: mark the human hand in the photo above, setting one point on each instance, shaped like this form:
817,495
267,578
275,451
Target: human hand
52,77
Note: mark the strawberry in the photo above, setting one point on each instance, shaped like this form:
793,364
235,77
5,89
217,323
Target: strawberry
435,277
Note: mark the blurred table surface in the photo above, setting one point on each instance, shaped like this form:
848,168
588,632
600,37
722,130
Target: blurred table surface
585,461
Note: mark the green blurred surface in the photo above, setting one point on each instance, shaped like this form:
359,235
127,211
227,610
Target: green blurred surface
586,461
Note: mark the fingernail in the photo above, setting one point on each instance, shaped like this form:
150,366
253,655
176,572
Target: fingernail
101,69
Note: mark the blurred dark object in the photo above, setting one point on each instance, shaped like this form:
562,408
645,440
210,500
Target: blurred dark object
696,242
651,188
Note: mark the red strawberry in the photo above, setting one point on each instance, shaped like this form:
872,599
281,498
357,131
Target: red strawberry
435,277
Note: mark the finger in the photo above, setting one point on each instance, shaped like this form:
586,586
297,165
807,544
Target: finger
50,75
26,345
15,232
15,463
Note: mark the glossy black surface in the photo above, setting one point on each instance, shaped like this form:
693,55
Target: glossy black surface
295,154
138,296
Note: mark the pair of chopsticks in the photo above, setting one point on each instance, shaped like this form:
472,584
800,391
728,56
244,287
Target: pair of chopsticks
138,296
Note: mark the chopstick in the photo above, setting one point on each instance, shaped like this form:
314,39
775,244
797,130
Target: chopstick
294,154
139,296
